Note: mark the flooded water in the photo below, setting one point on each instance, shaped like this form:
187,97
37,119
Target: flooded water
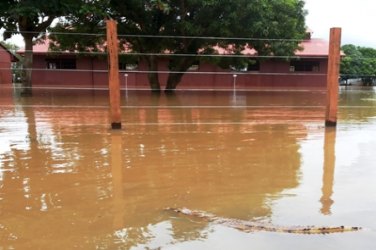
67,181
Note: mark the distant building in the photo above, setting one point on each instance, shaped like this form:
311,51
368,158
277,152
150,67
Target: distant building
6,59
80,70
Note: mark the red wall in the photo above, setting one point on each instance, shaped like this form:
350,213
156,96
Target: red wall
5,67
91,72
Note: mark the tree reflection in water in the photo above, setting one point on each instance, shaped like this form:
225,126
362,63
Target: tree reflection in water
71,181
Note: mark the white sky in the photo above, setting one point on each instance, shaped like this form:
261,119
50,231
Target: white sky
356,18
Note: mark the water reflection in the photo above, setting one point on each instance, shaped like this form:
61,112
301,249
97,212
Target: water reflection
37,192
121,182
329,167
117,175
357,105
70,181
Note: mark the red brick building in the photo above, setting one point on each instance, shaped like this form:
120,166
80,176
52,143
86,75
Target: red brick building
6,59
77,70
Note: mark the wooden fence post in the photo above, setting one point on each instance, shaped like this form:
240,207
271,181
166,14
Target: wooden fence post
113,74
333,77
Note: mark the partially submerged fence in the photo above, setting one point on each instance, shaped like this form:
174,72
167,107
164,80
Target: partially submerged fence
232,78
334,58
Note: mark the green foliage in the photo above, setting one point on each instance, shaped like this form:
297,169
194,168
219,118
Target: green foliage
190,19
11,47
82,30
359,62
30,17
183,21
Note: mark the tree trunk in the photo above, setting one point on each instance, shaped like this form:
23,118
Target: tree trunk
153,74
179,67
26,89
173,81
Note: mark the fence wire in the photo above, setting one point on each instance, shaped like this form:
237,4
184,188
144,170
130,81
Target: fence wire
225,72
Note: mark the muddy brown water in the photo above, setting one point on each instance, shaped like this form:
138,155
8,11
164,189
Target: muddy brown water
67,181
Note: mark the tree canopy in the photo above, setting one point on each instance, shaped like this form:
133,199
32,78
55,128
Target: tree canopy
359,62
189,21
152,27
31,18
187,27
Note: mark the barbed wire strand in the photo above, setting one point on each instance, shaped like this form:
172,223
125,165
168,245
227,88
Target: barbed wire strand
197,88
193,106
238,73
193,72
183,37
166,54
248,56
140,54
162,36
146,88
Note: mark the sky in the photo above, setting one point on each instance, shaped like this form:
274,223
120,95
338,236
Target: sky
356,18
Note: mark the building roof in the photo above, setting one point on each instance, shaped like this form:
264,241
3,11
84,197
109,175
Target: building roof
41,47
310,48
314,47
14,57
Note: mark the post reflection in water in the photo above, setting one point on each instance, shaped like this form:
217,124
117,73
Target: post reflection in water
329,168
169,155
68,181
117,180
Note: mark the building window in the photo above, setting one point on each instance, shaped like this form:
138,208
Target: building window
122,65
61,63
128,66
51,65
253,65
304,66
195,66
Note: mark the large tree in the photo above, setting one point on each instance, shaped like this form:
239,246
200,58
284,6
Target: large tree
188,20
31,18
359,62
153,27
